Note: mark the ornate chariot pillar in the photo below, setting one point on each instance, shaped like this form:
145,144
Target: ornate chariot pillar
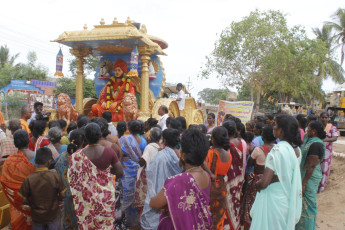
80,54
144,52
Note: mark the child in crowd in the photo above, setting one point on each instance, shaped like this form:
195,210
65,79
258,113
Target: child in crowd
43,191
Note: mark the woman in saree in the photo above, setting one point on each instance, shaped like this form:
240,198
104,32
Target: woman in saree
15,169
210,122
185,197
37,139
219,161
331,136
312,154
257,159
76,140
150,152
278,203
165,164
91,183
235,177
132,146
54,136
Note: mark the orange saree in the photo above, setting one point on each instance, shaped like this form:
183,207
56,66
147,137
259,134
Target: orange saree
16,168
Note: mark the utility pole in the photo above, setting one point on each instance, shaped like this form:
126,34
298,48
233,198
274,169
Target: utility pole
189,85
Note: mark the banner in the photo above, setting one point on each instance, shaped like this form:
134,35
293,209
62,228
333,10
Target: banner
241,109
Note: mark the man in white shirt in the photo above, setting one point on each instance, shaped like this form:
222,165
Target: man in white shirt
181,97
163,112
111,127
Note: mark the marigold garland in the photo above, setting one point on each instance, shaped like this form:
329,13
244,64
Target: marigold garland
111,89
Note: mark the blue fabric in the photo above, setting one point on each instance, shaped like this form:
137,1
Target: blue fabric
165,164
130,170
257,141
69,220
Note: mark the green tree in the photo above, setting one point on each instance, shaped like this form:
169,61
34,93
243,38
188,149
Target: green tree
5,58
330,67
338,26
264,54
68,85
15,102
28,71
213,96
237,56
290,68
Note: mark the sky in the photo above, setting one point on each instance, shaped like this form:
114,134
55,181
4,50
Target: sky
190,27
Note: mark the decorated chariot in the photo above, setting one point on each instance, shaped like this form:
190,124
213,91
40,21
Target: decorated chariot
130,77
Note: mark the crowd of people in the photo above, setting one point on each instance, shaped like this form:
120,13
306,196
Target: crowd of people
89,174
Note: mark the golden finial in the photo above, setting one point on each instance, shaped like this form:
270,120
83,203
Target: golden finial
102,21
115,21
128,21
85,27
143,29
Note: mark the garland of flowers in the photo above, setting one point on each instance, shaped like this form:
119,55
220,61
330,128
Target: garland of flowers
110,88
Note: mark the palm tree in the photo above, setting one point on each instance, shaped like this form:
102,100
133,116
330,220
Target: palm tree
330,67
338,25
5,58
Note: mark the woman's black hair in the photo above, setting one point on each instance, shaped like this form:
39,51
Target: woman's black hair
142,127
249,137
21,139
242,129
52,124
135,127
121,128
193,126
318,126
93,133
267,133
62,123
76,139
195,146
251,123
220,136
152,122
82,120
312,117
38,128
71,126
203,128
173,123
259,126
302,121
107,115
171,137
269,116
261,119
230,126
212,115
290,128
183,122
229,117
103,124
324,113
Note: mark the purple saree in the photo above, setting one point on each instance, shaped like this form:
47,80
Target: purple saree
187,203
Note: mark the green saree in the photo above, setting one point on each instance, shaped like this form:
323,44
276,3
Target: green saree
309,201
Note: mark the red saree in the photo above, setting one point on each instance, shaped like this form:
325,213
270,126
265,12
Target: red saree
234,186
16,169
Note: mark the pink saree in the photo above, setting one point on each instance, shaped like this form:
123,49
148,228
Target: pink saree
187,203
